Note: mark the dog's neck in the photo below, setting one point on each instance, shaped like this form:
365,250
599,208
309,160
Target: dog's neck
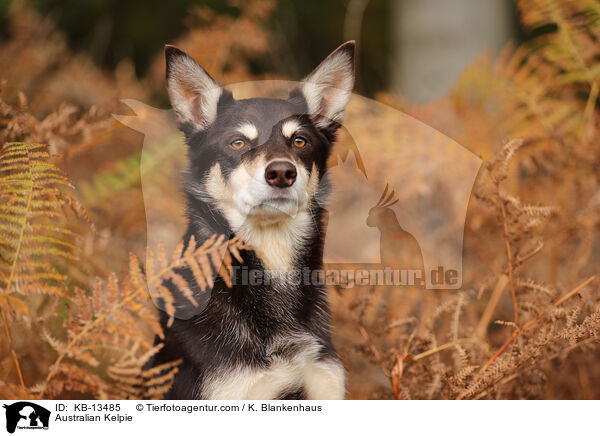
282,245
278,243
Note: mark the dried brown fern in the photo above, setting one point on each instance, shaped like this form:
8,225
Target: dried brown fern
432,346
104,337
33,193
518,219
107,320
419,365
62,127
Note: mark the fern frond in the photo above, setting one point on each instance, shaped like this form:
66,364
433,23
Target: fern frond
32,229
111,315
535,286
204,261
136,382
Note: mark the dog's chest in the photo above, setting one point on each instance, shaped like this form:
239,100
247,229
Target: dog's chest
293,364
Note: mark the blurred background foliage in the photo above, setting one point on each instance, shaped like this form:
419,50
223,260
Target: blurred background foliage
110,31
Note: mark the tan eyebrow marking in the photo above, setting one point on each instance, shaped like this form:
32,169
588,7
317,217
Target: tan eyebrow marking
289,128
249,130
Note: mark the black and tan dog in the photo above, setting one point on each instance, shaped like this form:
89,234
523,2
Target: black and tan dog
257,169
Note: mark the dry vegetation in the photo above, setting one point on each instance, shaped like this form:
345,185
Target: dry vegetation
77,319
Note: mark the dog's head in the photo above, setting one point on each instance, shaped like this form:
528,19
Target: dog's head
259,159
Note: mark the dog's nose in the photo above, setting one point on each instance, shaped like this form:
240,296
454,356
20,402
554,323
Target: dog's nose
280,174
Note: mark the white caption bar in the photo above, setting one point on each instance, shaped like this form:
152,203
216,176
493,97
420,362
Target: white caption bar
298,417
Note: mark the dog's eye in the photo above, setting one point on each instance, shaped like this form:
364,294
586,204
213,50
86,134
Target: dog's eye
238,143
299,141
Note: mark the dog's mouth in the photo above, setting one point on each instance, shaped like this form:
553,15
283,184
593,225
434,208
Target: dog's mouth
281,203
282,197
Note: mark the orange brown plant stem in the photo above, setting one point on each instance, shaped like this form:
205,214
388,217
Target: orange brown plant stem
510,265
10,346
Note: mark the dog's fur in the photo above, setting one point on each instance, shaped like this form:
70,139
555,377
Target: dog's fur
271,340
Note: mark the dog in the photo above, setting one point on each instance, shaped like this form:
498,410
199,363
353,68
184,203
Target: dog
257,169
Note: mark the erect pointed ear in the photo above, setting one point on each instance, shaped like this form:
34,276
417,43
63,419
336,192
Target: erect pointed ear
328,88
193,93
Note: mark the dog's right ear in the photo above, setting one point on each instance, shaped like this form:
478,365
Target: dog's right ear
193,93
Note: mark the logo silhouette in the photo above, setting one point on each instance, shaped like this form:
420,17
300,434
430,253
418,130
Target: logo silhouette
24,414
398,248
432,174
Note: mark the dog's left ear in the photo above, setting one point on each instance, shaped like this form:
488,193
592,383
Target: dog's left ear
327,89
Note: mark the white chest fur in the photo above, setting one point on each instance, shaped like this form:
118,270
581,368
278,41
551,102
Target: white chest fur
319,379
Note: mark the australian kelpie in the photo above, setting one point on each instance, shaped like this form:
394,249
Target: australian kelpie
257,169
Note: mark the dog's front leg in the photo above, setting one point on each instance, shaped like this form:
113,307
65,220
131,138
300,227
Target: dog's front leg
324,380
